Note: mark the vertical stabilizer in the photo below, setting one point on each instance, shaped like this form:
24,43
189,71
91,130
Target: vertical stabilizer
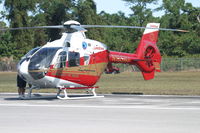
148,52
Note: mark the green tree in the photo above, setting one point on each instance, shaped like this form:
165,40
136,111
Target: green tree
173,10
179,15
117,39
55,12
18,17
86,14
141,15
6,44
191,41
86,11
141,12
40,35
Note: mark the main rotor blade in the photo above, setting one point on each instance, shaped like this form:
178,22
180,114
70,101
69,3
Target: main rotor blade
36,27
130,27
81,27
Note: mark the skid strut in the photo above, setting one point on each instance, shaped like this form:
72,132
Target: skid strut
30,91
89,89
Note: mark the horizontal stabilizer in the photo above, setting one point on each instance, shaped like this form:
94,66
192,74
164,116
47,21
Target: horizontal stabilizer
142,60
148,75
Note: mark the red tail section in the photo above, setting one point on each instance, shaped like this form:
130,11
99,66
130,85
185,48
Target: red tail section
147,56
148,52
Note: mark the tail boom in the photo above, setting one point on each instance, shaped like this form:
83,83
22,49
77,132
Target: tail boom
147,56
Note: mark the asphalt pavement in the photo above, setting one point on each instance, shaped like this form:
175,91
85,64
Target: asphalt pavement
112,114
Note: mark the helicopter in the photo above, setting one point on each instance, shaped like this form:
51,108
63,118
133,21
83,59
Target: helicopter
76,62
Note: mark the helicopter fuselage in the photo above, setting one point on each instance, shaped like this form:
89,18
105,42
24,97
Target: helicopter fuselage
70,62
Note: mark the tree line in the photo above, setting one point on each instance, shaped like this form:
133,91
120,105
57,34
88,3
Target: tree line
177,14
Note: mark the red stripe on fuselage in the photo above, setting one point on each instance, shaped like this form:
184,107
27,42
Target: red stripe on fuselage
84,77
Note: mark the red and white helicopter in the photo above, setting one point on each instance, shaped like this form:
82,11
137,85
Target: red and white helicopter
75,62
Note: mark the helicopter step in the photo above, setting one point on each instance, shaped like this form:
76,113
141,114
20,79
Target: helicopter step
89,90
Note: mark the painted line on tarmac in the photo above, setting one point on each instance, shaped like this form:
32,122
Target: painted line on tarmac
102,107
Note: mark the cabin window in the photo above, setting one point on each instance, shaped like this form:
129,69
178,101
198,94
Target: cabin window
62,57
73,59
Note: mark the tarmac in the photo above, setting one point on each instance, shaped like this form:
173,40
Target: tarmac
112,114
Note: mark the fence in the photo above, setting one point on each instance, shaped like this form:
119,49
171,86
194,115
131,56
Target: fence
180,64
168,64
8,67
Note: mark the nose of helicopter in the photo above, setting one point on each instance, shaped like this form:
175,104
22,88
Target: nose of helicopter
23,69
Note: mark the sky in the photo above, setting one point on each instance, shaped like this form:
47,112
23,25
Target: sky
113,6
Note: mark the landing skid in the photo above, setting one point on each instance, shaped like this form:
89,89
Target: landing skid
90,89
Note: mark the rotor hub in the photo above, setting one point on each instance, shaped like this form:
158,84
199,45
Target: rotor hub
149,54
71,22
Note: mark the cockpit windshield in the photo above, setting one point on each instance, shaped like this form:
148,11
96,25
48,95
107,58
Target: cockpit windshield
27,56
31,52
41,61
42,58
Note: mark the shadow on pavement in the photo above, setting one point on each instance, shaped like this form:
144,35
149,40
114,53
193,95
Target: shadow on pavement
34,97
